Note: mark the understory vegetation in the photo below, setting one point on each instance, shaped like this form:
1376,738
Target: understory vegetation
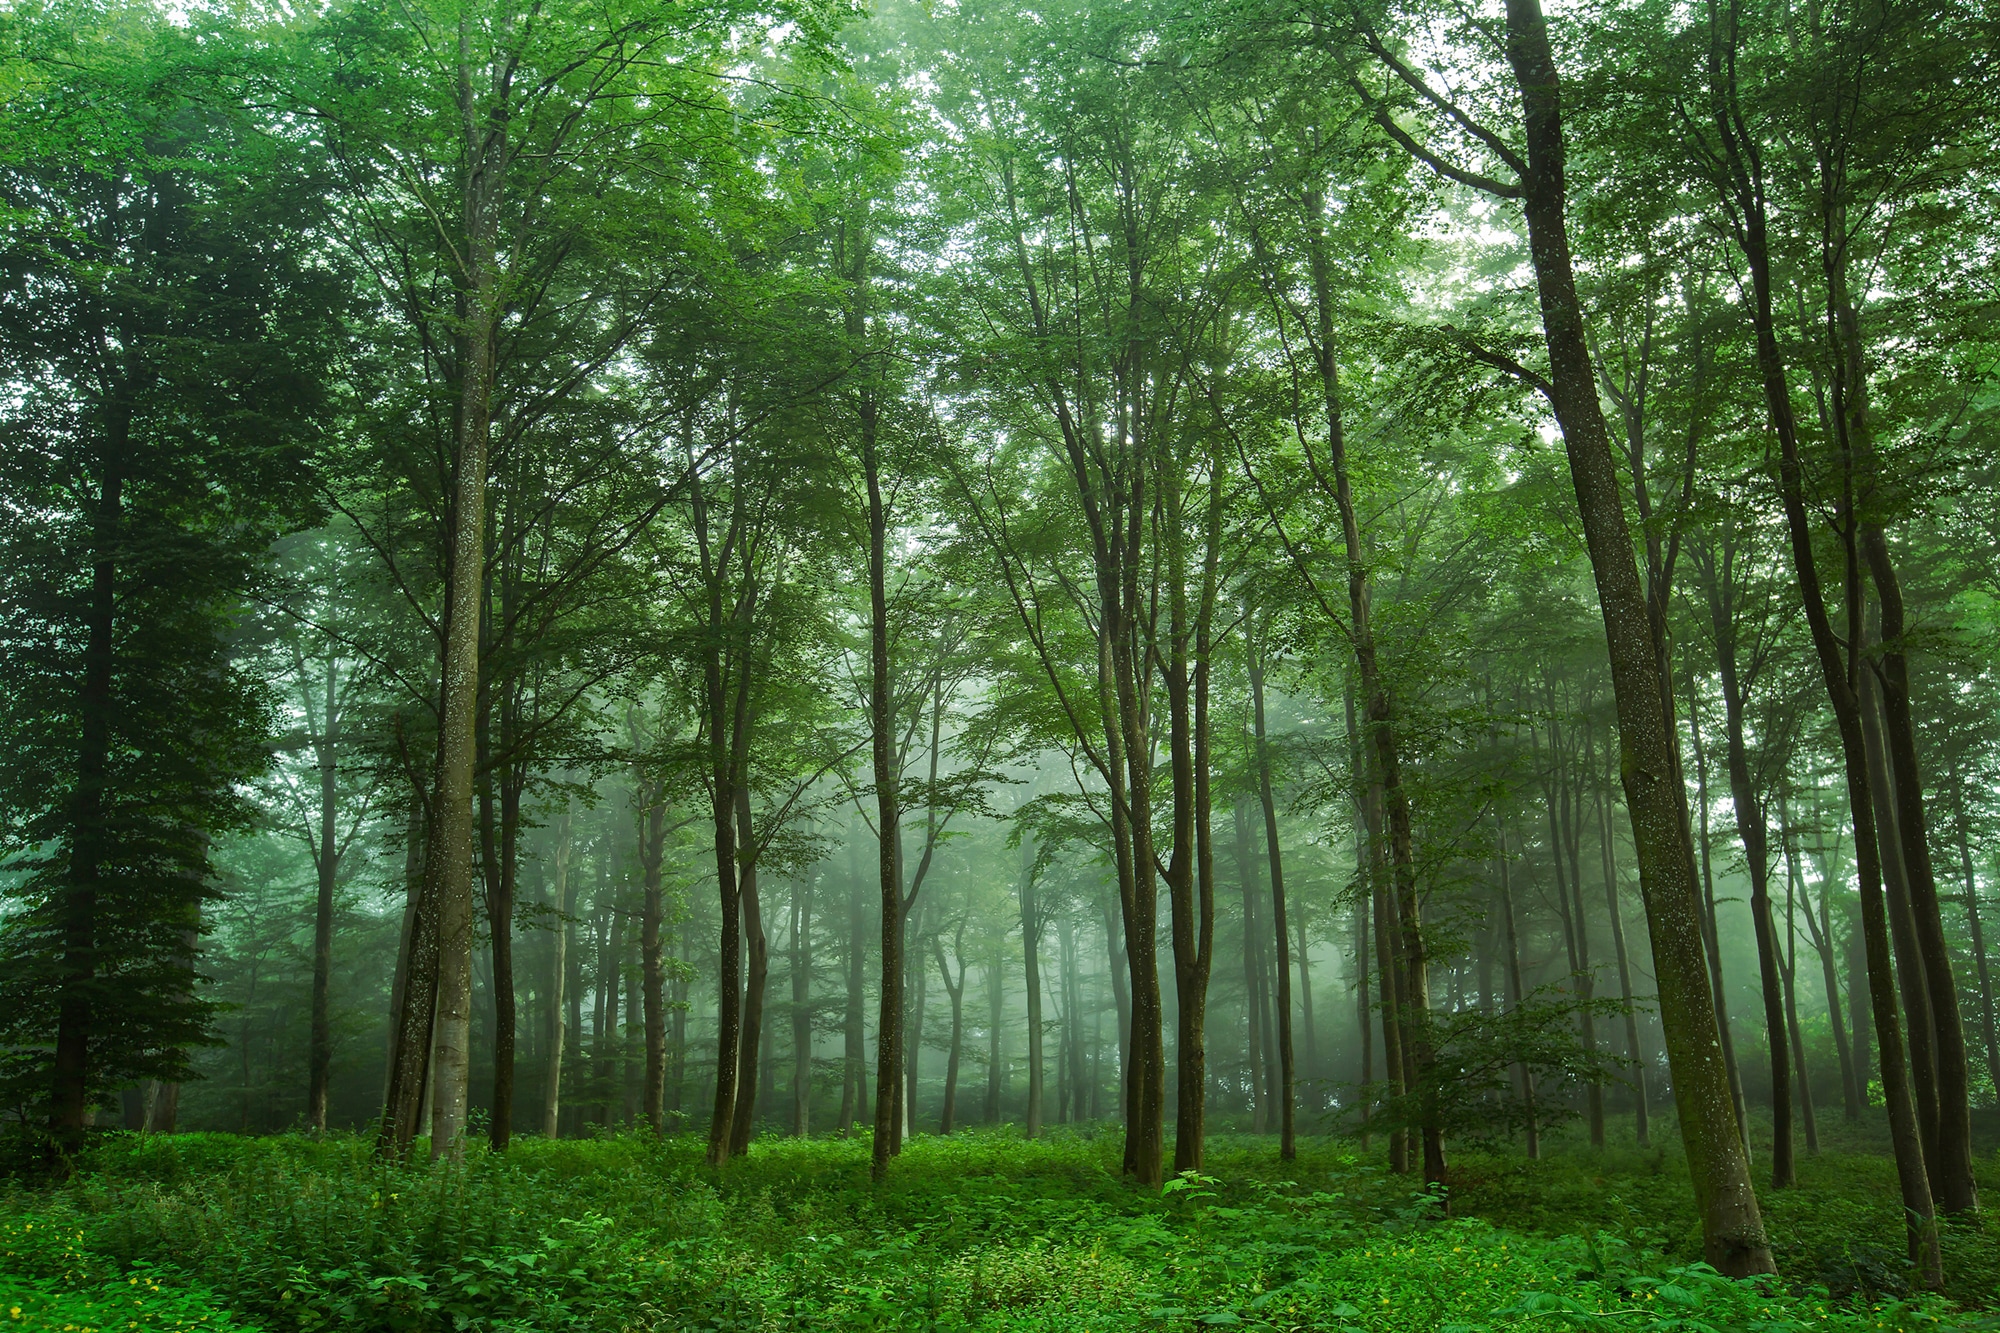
983,1230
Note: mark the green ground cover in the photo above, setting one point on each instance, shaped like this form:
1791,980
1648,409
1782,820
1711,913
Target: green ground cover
979,1231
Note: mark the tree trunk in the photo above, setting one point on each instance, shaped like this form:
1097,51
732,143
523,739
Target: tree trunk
1362,1004
1031,940
1743,186
914,986
449,852
1819,933
1973,926
1711,931
1753,831
947,1118
1379,725
1792,1002
1387,950
1309,1071
652,1002
995,1004
76,1018
743,1122
1641,1113
558,980
802,1035
1565,802
1516,991
726,701
1287,1141
326,860
1253,1004
1902,927
853,1086
1732,1228
500,915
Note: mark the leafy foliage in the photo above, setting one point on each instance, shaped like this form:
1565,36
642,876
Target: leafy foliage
977,1231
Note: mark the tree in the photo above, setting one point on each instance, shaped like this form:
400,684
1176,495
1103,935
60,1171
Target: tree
170,337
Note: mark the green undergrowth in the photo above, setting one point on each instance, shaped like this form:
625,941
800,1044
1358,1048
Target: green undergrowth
978,1231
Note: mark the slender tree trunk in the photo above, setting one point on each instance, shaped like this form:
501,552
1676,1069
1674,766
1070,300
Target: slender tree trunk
1361,994
1287,1141
1753,831
604,995
1387,928
652,973
1031,945
1819,933
915,986
1973,926
1190,876
1711,929
1791,954
632,1050
326,861
1379,728
881,723
802,1036
1309,1071
853,1083
743,1123
1902,928
681,987
995,1003
947,1118
1861,1011
727,666
558,979
1571,802
500,1129
1641,1113
1516,991
1117,964
1253,1006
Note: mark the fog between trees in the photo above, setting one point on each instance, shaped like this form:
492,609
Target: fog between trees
1394,571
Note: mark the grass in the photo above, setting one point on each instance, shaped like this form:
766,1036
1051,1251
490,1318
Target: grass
982,1231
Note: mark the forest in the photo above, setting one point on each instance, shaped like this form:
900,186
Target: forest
999,664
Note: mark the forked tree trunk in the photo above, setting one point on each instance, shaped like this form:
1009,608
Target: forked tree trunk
1743,186
948,1116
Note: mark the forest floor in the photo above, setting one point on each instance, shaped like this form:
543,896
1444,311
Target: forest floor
978,1231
